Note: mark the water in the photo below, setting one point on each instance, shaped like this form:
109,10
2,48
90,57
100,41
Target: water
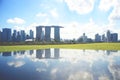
60,64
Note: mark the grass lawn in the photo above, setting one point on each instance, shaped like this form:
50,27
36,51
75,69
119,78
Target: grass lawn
95,46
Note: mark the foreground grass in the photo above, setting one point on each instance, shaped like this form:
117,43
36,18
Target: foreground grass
95,46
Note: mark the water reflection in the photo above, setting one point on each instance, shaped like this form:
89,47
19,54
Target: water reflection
6,54
60,64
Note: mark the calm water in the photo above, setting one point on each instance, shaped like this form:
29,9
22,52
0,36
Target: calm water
60,64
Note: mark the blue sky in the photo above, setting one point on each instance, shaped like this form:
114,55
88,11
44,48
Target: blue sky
76,16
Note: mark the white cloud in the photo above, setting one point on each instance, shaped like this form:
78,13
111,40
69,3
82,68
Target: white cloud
16,64
54,13
75,29
41,15
105,5
80,6
115,14
41,69
16,20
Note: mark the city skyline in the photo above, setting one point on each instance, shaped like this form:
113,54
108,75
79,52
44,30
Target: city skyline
76,16
43,34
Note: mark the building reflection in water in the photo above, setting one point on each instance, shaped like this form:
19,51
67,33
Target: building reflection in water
56,53
83,64
108,52
6,54
39,54
31,52
47,53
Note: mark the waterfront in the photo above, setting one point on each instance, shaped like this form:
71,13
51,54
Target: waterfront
60,64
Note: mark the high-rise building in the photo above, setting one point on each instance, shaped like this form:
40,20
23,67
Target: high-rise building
114,37
57,33
42,36
108,36
47,33
0,36
23,35
6,35
97,38
31,34
38,33
18,36
14,36
103,38
84,37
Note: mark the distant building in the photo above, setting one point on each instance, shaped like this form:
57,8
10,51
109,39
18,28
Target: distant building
6,35
0,36
38,33
47,33
114,37
57,33
84,37
103,38
108,36
14,36
97,38
18,36
31,34
23,35
42,36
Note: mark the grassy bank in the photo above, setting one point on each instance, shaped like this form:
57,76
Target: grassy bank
95,46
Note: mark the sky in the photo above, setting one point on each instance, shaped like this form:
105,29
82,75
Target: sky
76,16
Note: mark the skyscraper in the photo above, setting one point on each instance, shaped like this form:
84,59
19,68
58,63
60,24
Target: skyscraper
38,33
108,36
57,33
31,34
23,35
103,38
84,37
114,37
6,35
14,36
47,33
0,36
42,36
18,36
97,38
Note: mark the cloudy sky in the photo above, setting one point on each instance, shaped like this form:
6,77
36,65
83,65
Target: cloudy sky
76,16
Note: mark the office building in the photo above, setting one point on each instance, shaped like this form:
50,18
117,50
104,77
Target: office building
97,38
114,37
103,38
42,36
18,36
38,33
23,35
0,36
6,35
31,34
108,36
14,36
47,33
56,33
84,37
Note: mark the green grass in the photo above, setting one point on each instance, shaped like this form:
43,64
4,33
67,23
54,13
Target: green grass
95,46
